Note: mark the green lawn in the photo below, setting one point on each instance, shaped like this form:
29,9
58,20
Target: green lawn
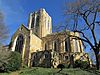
51,71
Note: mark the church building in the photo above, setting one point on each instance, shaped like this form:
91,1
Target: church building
40,47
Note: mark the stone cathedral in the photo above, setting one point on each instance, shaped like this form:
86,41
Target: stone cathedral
40,47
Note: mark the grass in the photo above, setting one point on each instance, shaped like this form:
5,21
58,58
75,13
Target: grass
51,71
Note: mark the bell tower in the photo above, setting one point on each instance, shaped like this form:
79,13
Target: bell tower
40,23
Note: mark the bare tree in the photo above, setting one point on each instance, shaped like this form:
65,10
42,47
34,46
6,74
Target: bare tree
84,19
3,29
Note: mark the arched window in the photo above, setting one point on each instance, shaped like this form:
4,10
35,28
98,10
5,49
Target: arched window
58,44
55,46
19,43
45,46
33,22
66,44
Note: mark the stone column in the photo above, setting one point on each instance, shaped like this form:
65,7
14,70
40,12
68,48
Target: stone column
29,59
64,46
35,21
14,44
81,46
50,25
23,51
78,45
72,42
61,47
74,45
30,21
77,42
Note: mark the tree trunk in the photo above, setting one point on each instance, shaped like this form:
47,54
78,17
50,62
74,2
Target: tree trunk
97,62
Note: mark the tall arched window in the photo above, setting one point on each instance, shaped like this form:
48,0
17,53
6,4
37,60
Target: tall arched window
55,46
32,24
58,44
66,45
19,43
45,46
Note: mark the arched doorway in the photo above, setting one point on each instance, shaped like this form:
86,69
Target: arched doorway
19,43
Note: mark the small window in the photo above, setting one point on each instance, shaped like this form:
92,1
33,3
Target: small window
66,45
46,55
45,46
55,46
66,58
34,57
81,58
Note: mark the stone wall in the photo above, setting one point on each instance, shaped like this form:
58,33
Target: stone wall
41,59
40,23
25,52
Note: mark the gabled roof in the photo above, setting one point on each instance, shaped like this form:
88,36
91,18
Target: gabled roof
22,25
20,29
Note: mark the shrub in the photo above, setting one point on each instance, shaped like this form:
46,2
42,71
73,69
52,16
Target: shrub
10,61
85,65
4,57
66,65
61,66
77,63
81,64
15,62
